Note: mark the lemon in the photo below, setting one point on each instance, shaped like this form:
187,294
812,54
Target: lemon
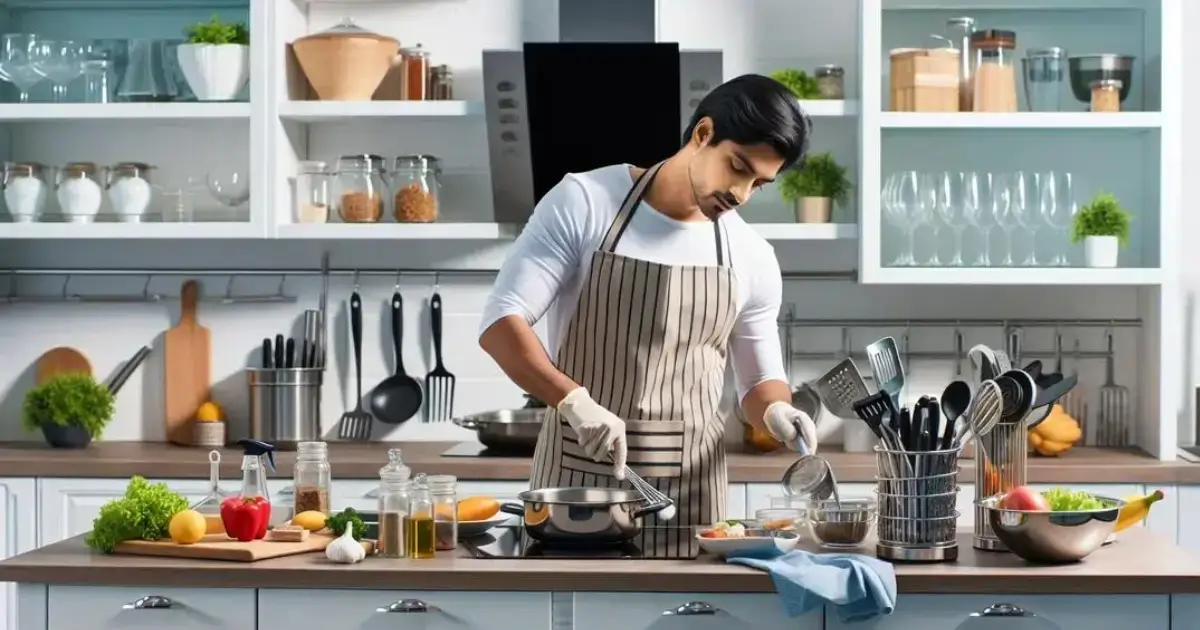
187,527
311,520
208,412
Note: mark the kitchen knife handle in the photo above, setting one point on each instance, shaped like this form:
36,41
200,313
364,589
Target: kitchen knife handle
268,358
278,351
289,354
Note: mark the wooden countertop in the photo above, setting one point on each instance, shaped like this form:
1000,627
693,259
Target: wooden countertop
363,460
1140,562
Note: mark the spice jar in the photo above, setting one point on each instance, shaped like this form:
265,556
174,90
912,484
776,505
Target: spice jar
1106,95
995,74
394,498
441,83
311,477
77,187
312,193
360,188
24,190
419,524
414,74
129,190
416,180
830,82
443,491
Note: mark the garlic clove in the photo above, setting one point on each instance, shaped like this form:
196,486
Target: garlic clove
344,549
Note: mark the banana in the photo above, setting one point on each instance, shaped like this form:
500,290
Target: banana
1136,510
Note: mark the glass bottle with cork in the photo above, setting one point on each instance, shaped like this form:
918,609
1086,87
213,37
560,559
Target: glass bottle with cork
394,498
443,492
418,523
311,478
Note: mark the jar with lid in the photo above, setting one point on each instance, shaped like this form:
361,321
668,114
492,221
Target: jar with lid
25,190
995,74
831,82
311,477
1106,95
394,498
77,187
959,31
312,193
361,188
128,185
416,180
441,83
414,74
419,527
443,491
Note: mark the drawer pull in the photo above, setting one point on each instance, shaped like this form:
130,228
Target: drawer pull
150,602
405,606
692,608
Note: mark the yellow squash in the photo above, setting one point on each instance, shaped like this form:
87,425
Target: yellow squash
1136,509
1056,434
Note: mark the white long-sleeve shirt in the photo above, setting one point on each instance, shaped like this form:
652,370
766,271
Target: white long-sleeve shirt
546,268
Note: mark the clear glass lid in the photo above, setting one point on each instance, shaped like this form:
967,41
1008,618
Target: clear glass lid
347,28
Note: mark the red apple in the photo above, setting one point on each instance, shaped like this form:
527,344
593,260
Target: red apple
1025,499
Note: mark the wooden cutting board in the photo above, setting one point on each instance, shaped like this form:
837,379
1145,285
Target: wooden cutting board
61,360
222,547
187,376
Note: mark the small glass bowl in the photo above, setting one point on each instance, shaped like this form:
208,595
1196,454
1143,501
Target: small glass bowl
841,527
794,503
780,519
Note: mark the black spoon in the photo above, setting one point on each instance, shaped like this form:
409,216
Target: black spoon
956,398
398,397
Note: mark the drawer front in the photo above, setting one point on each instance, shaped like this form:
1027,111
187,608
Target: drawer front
403,610
1069,612
97,608
694,611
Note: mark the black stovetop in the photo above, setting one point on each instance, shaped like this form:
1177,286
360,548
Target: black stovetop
665,543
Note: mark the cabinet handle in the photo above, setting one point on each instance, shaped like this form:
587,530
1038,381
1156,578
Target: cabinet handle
372,494
692,608
150,602
286,490
405,606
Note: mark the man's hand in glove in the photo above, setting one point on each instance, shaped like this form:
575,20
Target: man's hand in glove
792,427
601,433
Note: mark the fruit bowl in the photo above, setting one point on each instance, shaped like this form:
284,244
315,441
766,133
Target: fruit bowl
1052,537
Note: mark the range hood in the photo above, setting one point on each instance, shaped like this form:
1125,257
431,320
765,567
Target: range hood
606,93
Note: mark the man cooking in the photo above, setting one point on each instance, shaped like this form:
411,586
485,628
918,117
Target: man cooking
651,280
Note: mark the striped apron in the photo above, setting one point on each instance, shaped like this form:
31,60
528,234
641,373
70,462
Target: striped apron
649,342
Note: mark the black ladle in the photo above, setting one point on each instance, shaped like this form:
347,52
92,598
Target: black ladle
398,397
956,398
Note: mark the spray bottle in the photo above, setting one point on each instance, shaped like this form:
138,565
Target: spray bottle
247,514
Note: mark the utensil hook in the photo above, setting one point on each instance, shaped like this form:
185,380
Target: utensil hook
399,275
1108,339
846,342
65,287
228,299
12,287
356,285
437,279
959,343
146,290
279,295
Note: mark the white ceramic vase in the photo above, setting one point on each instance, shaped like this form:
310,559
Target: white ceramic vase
215,72
1100,251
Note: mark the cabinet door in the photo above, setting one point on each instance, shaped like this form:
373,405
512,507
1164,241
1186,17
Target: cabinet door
403,610
68,506
687,611
18,534
105,608
1069,612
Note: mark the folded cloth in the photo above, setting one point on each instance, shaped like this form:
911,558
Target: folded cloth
859,586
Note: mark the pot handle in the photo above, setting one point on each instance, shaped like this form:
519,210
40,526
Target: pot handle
649,508
467,422
516,509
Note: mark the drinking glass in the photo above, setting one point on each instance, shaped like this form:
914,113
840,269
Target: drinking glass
1000,203
908,202
977,210
1026,213
60,61
1059,212
951,207
897,216
15,62
926,213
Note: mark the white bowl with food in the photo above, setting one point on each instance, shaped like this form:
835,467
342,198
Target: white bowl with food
734,537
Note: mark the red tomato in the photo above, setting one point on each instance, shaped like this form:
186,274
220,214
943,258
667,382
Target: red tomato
1025,499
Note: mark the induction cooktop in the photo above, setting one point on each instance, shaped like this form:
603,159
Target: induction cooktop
659,543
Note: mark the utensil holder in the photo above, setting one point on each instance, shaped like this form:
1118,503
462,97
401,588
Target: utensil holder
285,405
917,498
1001,466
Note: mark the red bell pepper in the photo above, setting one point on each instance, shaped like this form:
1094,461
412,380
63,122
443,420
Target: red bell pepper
246,518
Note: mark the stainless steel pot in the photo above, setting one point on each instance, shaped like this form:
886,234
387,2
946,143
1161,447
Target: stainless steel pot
581,516
507,430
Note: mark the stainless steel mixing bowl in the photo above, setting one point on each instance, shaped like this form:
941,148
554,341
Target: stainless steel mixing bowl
1053,537
1084,69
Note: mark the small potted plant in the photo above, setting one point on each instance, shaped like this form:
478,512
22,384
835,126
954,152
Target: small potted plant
799,82
815,187
70,409
216,59
1103,227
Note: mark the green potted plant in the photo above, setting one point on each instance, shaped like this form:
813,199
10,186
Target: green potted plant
1102,225
70,409
216,59
799,82
815,187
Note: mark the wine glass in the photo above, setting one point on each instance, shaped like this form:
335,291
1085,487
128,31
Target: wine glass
926,213
951,207
896,215
977,211
15,62
909,203
60,61
1059,212
1000,203
1026,213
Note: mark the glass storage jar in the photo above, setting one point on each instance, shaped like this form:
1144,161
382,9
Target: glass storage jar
312,193
129,191
443,491
995,74
441,83
77,188
414,74
394,498
419,523
831,82
361,188
311,478
416,181
25,190
1106,95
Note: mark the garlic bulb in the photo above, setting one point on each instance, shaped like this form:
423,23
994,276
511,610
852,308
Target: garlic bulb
344,549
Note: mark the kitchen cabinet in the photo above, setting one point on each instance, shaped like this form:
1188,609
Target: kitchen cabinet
107,608
1070,612
687,611
68,506
18,534
404,610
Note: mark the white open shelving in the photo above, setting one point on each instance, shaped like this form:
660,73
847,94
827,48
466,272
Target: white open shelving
336,111
25,112
1021,120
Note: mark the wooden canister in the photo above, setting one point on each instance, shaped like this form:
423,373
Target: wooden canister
924,80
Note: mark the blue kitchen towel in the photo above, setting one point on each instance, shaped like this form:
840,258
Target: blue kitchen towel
859,586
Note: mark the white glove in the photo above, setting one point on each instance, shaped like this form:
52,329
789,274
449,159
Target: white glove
792,427
601,433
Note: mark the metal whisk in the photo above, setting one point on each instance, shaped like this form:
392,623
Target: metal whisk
651,494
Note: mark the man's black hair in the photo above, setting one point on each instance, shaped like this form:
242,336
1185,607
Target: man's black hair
753,109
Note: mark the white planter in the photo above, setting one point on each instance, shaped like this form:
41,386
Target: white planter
215,72
1100,251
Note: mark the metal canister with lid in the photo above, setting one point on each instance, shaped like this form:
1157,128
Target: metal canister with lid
1006,617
